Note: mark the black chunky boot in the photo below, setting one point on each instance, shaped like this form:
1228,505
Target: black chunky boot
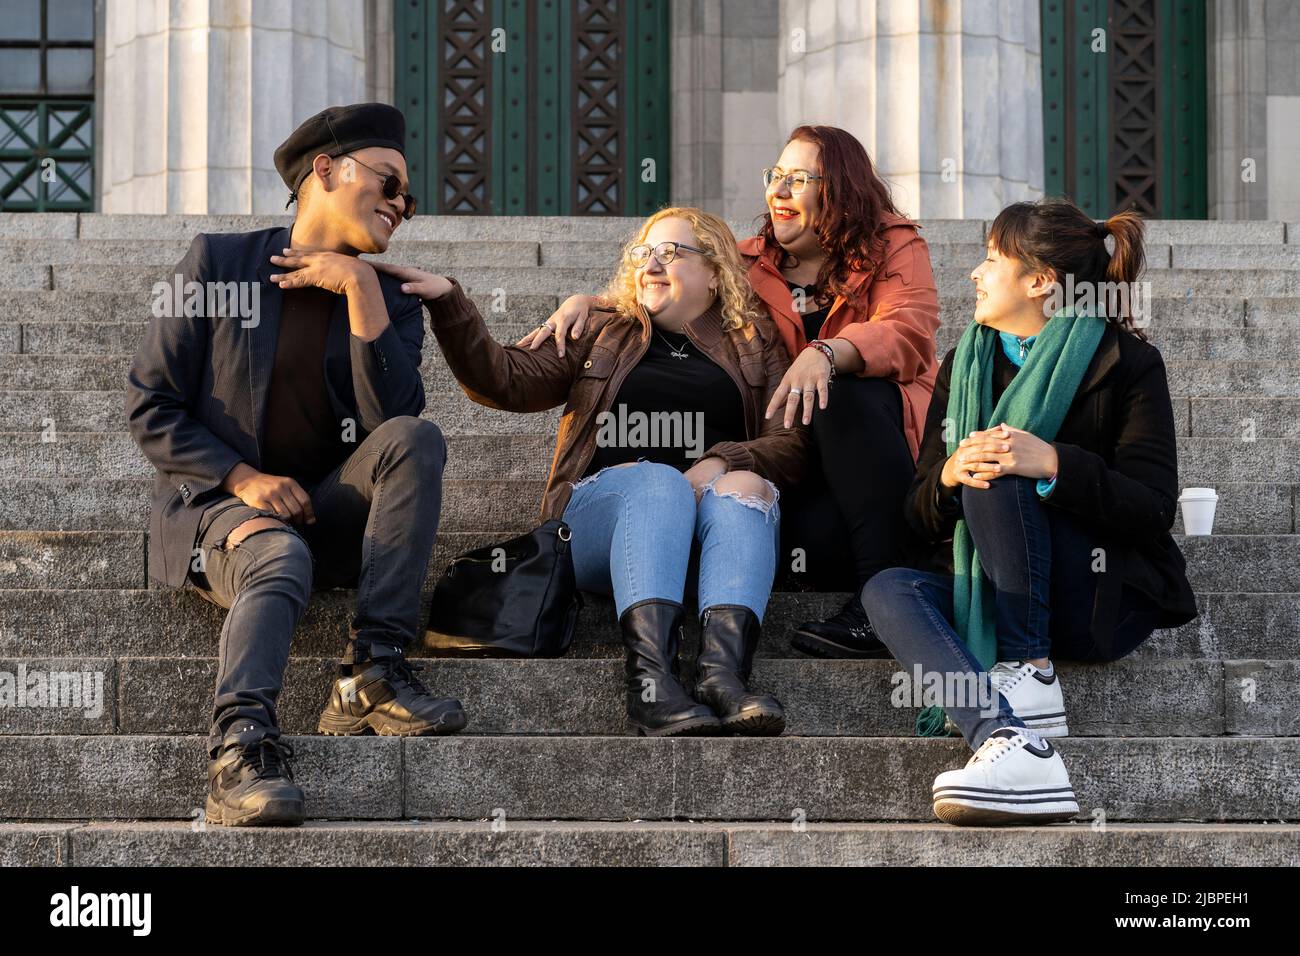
657,704
729,636
846,634
250,781
383,696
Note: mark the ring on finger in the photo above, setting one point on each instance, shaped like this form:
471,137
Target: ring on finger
795,390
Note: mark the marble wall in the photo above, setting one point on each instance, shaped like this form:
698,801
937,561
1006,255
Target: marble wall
197,94
945,94
1254,109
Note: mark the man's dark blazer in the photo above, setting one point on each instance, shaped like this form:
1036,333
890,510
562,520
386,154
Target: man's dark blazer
197,388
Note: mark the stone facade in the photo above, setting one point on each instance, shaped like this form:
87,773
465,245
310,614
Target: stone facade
1254,108
725,123
946,95
197,95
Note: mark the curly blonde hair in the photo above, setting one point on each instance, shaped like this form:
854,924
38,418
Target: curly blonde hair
739,304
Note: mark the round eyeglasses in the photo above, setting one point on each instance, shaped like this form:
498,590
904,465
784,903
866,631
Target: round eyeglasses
797,180
665,252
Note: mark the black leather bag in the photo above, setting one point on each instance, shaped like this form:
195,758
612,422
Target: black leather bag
513,599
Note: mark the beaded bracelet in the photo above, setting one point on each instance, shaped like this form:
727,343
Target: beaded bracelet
825,349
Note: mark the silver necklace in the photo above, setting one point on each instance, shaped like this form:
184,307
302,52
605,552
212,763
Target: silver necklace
675,352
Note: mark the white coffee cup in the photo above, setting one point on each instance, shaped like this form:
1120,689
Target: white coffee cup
1198,509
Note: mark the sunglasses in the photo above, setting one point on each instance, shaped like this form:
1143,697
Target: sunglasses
392,188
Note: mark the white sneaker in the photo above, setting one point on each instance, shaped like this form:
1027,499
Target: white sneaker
1035,699
1013,778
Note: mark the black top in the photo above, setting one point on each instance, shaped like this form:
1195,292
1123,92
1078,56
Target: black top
812,321
1118,473
303,440
704,403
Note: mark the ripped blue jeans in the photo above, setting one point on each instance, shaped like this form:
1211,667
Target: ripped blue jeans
634,527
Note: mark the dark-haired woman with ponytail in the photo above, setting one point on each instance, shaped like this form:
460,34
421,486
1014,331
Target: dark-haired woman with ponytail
847,280
1047,484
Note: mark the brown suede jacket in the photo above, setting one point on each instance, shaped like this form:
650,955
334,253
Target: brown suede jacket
586,381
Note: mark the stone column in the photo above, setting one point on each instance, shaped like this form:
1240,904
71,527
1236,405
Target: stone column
725,123
946,95
696,87
198,93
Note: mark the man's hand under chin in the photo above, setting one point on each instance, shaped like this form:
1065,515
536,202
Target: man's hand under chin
343,275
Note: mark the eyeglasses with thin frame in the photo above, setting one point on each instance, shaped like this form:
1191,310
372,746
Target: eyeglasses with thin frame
392,188
797,179
665,252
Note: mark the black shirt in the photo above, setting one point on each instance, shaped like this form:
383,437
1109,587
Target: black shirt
703,402
303,440
814,320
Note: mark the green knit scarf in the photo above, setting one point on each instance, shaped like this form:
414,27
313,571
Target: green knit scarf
1036,401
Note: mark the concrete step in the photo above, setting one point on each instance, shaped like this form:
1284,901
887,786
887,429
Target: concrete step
160,256
76,411
521,446
509,842
953,281
111,455
59,306
184,226
585,696
1175,343
115,559
88,504
600,247
1201,379
110,305
817,779
103,622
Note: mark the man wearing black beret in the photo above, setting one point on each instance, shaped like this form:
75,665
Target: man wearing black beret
290,453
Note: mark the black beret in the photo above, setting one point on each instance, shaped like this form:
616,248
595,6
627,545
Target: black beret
335,131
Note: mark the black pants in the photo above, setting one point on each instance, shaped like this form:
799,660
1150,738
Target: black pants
846,517
376,520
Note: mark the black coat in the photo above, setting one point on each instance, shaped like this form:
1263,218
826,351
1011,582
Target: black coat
197,388
1118,471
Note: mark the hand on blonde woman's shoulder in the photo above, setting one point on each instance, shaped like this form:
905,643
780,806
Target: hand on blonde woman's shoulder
570,317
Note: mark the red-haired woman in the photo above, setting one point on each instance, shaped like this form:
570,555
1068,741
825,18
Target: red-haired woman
1046,487
847,280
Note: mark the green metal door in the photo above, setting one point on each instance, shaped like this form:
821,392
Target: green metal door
1124,105
535,107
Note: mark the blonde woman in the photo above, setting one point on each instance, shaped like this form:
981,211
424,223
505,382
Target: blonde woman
663,451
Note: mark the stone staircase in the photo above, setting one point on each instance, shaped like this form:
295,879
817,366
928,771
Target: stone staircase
1186,753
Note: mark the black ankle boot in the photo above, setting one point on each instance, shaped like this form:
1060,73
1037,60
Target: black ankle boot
250,781
846,634
657,704
382,695
728,638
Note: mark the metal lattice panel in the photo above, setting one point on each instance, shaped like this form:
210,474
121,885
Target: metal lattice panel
598,104
1135,107
46,153
464,110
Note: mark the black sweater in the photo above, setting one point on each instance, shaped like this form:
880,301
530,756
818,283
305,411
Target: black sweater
1118,471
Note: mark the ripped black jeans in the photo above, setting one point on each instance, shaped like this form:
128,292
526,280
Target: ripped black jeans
376,520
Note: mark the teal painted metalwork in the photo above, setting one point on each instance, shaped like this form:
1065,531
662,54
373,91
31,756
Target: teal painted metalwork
1184,170
46,155
647,155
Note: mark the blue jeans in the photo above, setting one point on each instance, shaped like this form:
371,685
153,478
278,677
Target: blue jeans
1039,562
634,527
